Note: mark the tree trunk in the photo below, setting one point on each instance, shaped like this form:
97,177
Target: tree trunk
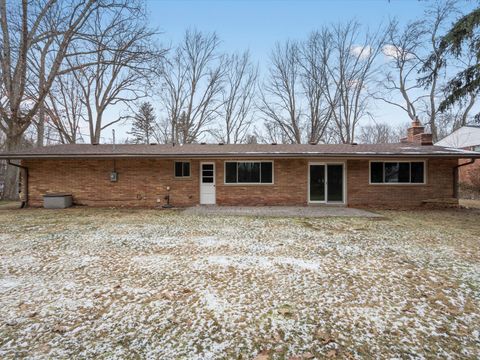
12,173
41,126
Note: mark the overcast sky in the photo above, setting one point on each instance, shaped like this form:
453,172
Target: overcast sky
257,25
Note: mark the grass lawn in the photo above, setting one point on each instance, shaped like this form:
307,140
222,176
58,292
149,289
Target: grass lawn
7,205
89,283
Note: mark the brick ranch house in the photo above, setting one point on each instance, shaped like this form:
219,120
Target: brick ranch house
382,175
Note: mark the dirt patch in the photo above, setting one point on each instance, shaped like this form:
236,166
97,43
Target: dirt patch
470,203
9,205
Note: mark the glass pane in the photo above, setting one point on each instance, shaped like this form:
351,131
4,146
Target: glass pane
186,169
376,172
335,183
404,172
207,179
391,172
207,166
266,172
178,169
207,173
317,182
248,172
417,173
231,172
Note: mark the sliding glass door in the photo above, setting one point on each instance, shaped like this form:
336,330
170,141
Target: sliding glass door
325,183
317,183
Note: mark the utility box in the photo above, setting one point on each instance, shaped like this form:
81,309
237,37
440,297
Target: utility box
57,201
113,176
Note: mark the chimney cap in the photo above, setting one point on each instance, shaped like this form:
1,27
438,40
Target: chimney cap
416,121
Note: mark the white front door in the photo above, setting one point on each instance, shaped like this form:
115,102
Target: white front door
207,183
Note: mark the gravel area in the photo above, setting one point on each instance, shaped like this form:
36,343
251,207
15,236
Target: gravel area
281,211
118,283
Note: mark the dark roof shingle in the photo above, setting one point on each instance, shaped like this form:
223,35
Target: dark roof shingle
237,150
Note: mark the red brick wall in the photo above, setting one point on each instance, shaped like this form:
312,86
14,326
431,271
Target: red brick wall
469,175
289,188
361,193
142,182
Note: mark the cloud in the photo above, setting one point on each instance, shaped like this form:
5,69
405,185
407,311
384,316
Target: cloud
362,51
394,52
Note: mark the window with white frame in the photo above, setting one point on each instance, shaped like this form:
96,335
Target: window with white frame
182,169
401,172
248,172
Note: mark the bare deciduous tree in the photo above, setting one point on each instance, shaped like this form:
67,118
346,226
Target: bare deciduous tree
191,86
350,71
317,90
315,54
402,50
408,50
31,31
280,96
123,62
65,109
237,100
377,134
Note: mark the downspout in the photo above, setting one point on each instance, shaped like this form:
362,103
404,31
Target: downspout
455,176
25,169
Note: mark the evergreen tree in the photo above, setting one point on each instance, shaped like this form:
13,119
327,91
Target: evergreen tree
464,33
143,126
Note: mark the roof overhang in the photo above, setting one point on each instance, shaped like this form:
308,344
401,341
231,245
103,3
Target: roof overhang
359,155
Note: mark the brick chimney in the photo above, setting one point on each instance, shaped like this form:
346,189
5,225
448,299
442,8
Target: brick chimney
416,134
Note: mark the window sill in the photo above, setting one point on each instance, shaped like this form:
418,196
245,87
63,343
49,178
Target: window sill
248,184
398,184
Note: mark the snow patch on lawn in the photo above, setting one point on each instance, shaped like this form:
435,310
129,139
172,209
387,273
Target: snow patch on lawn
213,302
298,263
259,262
241,262
9,283
208,241
157,262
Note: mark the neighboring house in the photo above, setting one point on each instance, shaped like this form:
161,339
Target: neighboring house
383,175
467,138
